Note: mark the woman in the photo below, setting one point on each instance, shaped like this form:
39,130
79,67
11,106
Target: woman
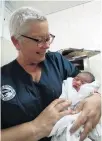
31,84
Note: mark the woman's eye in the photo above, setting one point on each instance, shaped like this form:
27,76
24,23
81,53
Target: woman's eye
48,39
39,40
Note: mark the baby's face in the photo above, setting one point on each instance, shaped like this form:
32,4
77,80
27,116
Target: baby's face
79,80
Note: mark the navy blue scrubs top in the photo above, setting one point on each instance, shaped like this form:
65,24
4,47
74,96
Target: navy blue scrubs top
22,99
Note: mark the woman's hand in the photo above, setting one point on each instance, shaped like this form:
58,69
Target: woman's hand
48,118
90,115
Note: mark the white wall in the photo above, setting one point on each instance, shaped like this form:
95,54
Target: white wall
1,24
95,63
77,27
8,51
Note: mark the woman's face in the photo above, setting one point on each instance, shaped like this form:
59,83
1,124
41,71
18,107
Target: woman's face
29,49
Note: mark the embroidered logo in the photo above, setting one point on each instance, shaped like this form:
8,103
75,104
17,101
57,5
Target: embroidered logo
7,93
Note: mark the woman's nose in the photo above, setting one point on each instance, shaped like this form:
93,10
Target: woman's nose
46,45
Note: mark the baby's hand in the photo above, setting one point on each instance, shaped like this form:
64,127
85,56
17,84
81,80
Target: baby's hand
78,108
71,111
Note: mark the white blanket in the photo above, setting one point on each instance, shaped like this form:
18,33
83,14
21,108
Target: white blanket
60,131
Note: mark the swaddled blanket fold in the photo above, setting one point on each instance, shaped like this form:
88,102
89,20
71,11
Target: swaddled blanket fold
60,131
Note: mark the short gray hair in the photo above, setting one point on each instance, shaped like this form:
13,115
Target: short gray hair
21,17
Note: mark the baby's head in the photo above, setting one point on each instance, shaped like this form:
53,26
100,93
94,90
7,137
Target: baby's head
82,78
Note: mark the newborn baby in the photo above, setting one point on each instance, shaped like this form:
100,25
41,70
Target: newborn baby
76,89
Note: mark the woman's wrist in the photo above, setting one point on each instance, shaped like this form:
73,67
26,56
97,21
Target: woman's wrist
97,98
37,132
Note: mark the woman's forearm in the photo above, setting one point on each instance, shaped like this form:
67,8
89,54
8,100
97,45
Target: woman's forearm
39,127
24,132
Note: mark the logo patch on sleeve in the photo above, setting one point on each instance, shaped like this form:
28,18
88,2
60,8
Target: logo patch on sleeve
7,93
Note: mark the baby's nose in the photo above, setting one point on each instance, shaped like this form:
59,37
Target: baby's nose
79,83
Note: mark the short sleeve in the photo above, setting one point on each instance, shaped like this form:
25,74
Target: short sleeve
66,68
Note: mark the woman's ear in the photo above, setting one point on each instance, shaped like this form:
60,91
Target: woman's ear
15,42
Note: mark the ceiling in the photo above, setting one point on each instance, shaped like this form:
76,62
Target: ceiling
48,7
